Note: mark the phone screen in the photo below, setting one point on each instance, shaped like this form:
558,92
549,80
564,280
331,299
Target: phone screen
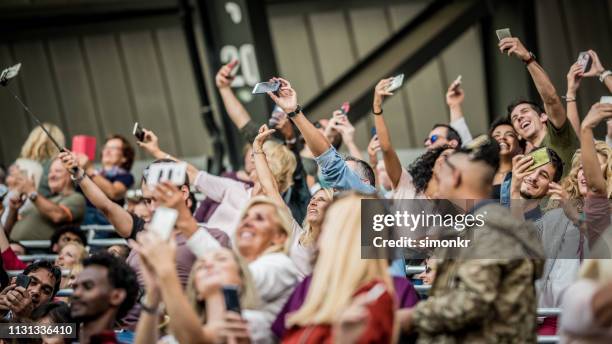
138,132
396,83
503,33
23,281
265,87
584,59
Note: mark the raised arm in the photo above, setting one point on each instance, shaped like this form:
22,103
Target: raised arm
116,215
266,179
392,161
287,100
454,99
552,103
590,162
574,76
236,111
597,69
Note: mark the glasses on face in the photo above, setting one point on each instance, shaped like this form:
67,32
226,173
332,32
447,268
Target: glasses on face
432,139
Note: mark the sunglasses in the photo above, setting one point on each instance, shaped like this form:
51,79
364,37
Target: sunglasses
433,138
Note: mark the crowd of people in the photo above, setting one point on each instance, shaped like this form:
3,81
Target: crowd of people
274,251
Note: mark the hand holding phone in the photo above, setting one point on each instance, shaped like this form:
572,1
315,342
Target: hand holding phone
138,132
9,73
396,83
233,65
503,33
456,84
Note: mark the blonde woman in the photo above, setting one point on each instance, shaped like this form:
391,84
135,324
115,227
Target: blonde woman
22,168
40,148
231,194
200,314
339,303
304,239
71,255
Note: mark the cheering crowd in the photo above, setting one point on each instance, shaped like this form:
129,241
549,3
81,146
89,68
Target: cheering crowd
285,231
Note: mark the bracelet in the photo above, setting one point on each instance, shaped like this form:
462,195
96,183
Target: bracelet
604,75
377,113
78,179
258,151
149,309
568,99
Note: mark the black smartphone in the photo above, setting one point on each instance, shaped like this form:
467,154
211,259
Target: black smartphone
23,281
138,132
232,300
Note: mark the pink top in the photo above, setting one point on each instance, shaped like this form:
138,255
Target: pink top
232,196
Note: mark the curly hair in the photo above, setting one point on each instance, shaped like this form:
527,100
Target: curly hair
39,147
570,183
421,169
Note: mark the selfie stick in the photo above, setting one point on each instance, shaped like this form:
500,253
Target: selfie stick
4,82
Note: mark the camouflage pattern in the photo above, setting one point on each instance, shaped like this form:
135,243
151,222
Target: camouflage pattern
485,300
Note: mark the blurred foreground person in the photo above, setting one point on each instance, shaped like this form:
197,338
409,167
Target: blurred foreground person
489,300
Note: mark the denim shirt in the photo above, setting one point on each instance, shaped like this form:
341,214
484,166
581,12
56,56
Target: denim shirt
504,192
338,175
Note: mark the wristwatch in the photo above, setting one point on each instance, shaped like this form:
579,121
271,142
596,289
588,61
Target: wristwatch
298,109
77,179
33,195
531,58
604,75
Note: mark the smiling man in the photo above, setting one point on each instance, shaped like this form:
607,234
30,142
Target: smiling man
17,302
104,292
540,127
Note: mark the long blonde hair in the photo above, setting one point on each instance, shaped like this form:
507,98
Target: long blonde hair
570,183
283,217
282,163
336,277
249,298
309,237
39,147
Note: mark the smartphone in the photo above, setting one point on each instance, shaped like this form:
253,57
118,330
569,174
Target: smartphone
456,83
373,132
9,73
163,222
235,68
584,59
23,281
345,108
173,172
503,33
376,292
540,157
396,83
232,300
606,100
265,87
138,132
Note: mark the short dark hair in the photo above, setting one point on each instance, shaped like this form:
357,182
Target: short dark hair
505,121
452,133
126,150
487,152
556,161
535,106
47,265
363,170
120,276
59,312
68,229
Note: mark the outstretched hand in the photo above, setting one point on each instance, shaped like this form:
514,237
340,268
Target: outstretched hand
574,76
150,143
285,97
224,77
596,67
264,133
513,45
